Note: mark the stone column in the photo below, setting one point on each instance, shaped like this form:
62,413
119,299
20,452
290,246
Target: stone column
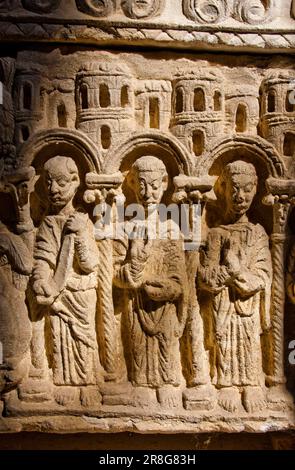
195,191
281,196
103,190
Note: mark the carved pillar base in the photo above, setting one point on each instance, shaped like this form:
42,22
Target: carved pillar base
202,397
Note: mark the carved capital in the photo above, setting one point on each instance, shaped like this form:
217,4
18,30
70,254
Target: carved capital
281,195
194,189
101,187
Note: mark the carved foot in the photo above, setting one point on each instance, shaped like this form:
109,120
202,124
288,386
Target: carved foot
90,396
229,399
169,396
66,396
253,399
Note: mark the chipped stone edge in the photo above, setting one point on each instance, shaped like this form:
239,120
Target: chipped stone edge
149,35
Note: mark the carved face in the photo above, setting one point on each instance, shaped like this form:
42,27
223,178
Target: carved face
149,187
240,191
61,186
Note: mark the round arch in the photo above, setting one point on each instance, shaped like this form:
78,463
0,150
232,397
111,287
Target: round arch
167,147
255,148
69,142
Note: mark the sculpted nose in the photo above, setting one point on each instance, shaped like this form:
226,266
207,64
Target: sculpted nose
54,187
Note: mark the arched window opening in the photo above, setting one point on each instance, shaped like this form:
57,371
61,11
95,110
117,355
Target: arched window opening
199,100
290,105
271,102
198,142
84,96
25,133
105,137
27,96
62,115
289,145
241,118
179,101
104,96
154,112
217,101
124,96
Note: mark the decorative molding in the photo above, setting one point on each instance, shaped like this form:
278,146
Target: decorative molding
206,11
138,10
100,8
41,6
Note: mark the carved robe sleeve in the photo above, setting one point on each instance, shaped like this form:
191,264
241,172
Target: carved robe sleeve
257,277
87,254
16,251
125,275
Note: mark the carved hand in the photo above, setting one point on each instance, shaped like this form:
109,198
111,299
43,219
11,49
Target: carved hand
139,245
45,291
76,223
158,290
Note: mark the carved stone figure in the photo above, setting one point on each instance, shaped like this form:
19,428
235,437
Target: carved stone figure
65,280
7,68
141,8
41,6
15,267
236,275
96,7
152,272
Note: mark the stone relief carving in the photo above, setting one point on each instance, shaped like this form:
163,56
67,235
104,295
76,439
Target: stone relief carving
253,11
236,273
213,11
206,11
7,123
153,272
64,282
16,246
138,9
98,8
152,321
41,6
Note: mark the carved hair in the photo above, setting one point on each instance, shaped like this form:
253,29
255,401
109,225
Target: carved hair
148,163
239,167
58,162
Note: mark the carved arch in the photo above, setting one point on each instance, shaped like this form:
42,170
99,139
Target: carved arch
46,144
251,146
155,143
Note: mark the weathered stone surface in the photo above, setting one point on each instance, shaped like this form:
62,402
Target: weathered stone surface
147,257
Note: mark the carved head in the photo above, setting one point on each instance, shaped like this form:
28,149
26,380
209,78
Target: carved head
240,183
62,180
149,180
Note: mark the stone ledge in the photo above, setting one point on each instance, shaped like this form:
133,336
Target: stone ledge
153,35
